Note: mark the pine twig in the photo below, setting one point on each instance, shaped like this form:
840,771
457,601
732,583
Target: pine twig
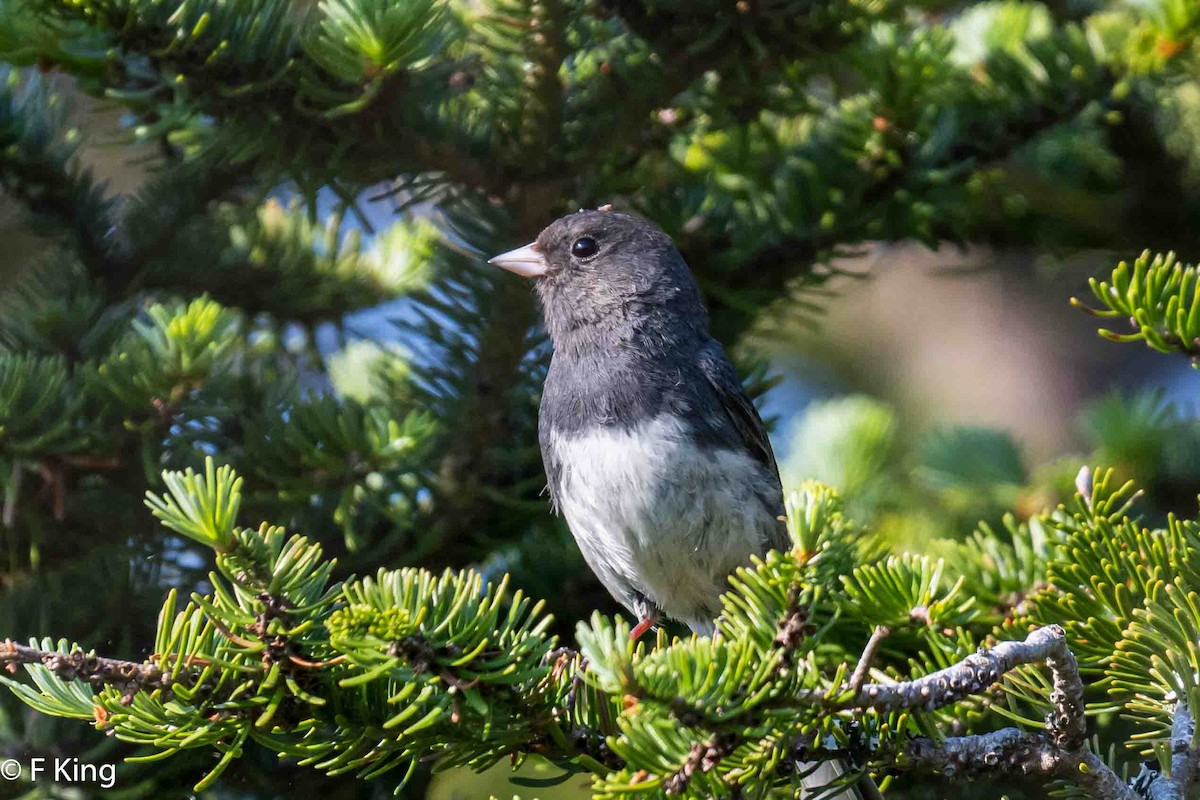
128,676
973,675
868,657
1185,760
1060,751
1017,752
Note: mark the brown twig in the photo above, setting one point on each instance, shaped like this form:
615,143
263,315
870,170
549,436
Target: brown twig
868,656
128,676
304,662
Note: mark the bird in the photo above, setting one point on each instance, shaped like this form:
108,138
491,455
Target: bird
654,454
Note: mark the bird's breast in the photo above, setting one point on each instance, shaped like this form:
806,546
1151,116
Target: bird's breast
655,508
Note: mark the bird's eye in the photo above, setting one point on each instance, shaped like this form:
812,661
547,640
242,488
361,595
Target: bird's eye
585,247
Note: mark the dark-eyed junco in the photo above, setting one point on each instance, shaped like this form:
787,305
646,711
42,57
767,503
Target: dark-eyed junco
655,456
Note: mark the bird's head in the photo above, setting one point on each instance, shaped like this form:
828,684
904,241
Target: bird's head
605,268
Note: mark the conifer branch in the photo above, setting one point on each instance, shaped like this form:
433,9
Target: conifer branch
863,668
1185,760
129,677
974,675
1015,752
1009,751
1061,751
1158,297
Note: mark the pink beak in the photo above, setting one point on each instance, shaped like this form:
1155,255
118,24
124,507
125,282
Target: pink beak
527,261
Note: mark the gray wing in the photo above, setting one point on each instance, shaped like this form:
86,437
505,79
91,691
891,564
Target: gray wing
749,425
551,462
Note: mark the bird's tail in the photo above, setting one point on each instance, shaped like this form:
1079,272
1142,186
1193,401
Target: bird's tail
828,781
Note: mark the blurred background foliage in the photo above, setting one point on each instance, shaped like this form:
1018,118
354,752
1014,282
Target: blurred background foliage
255,229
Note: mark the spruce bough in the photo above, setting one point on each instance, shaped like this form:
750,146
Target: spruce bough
373,675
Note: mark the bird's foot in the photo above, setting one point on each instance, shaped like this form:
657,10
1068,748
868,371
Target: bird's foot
648,622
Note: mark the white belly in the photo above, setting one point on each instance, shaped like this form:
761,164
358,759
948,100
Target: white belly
654,514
